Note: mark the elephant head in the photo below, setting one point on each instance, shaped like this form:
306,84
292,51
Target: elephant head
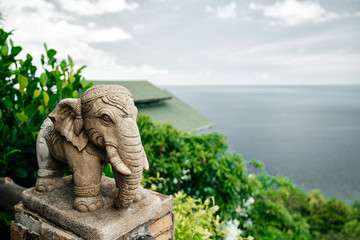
106,115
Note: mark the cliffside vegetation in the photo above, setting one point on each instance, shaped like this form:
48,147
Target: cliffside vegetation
260,205
212,187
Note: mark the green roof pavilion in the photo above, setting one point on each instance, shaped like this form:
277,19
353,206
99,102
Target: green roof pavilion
162,106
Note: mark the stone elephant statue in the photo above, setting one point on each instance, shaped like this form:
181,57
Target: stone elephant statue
88,133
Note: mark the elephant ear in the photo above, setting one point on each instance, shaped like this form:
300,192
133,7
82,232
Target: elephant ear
64,119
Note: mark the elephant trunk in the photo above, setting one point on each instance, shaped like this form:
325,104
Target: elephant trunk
131,155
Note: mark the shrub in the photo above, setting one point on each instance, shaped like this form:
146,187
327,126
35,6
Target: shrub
266,207
26,98
196,219
199,166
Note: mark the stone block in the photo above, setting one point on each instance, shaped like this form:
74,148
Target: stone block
18,232
165,236
162,228
161,225
166,204
105,223
31,225
48,232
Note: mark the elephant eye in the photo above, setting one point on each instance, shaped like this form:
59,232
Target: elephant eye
106,118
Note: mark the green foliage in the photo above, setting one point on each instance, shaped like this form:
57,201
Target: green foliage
26,98
5,216
266,207
152,182
199,166
282,210
108,171
270,213
196,219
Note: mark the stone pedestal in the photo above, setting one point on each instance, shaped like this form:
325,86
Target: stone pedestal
51,216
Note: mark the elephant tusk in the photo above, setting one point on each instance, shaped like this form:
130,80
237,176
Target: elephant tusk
120,166
145,162
116,161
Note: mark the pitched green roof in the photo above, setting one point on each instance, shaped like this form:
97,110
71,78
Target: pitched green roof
177,113
162,106
142,91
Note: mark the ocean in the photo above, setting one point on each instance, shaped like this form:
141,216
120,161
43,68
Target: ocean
309,134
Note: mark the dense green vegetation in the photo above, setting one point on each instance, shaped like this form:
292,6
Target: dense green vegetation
25,101
195,219
27,96
211,186
262,206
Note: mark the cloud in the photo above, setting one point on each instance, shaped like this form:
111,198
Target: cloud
138,27
294,12
226,12
97,7
113,34
265,76
209,9
45,23
300,57
125,72
39,21
291,45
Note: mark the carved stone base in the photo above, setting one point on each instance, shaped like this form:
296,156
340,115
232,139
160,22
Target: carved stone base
51,216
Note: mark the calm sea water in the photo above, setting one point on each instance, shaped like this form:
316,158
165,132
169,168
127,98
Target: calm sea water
310,134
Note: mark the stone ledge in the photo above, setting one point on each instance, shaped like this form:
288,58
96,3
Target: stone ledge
105,223
47,231
161,225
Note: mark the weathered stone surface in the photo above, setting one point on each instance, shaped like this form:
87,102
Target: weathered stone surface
165,236
27,218
105,223
153,227
167,204
86,134
18,232
27,222
48,232
161,225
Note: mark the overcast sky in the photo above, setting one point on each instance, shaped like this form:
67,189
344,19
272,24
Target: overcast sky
196,41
